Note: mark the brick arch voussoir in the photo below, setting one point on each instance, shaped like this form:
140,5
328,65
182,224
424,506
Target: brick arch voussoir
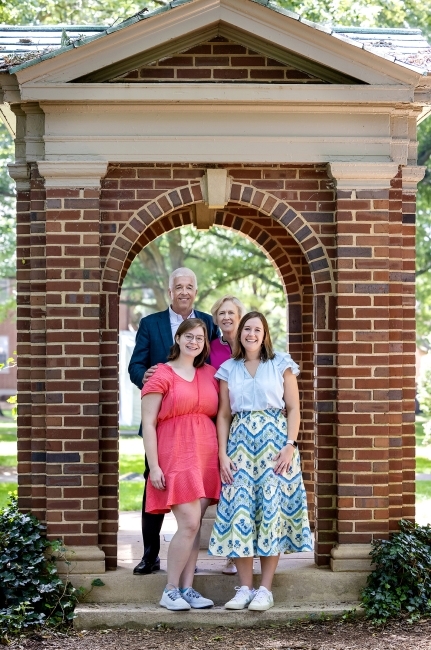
272,249
140,221
296,225
242,194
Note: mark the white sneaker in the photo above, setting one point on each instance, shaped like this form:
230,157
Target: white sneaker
242,598
172,599
262,601
229,568
195,600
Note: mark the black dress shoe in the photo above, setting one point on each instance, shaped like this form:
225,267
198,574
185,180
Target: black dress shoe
145,567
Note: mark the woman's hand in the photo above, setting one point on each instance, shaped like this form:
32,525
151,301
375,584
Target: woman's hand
226,467
157,478
283,459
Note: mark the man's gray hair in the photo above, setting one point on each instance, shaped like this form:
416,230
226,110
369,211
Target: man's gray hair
182,271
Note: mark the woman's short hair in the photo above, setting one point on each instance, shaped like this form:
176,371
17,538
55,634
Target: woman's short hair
218,303
267,351
186,326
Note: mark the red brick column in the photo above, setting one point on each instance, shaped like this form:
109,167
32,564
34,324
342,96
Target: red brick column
20,172
410,177
72,351
369,358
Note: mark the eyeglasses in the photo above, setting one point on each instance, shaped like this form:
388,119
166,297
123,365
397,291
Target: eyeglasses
190,338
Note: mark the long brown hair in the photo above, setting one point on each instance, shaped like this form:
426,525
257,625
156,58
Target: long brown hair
186,326
267,351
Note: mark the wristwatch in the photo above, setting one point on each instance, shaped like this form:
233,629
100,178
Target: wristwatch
292,442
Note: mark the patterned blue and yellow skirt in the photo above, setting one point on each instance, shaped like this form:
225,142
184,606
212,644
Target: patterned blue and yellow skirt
261,513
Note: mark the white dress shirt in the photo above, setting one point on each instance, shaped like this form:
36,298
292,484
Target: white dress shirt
176,320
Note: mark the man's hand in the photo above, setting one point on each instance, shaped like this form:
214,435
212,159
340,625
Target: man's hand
149,373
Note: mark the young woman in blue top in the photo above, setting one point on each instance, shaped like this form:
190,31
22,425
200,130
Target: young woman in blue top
263,507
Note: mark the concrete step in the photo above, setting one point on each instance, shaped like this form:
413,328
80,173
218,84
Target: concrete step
302,582
101,616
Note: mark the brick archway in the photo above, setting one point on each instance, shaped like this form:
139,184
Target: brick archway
304,266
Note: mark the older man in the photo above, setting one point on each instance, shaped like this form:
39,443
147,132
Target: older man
154,339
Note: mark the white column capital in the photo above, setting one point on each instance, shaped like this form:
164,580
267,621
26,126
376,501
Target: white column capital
20,172
72,173
370,176
412,175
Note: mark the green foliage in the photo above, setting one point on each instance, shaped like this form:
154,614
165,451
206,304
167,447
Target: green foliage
7,208
400,585
32,593
72,12
364,13
423,236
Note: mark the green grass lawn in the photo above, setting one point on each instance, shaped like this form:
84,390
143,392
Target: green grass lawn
423,465
5,488
132,463
131,495
423,491
8,461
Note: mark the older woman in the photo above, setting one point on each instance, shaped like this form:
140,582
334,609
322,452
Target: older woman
227,312
178,404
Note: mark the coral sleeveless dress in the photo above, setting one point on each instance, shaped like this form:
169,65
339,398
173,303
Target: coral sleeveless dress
186,438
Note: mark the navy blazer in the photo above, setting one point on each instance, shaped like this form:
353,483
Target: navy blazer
154,341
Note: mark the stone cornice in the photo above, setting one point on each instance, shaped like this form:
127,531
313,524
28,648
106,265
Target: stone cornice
349,176
411,177
202,93
20,172
72,173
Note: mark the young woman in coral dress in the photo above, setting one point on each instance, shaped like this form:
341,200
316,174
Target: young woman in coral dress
180,441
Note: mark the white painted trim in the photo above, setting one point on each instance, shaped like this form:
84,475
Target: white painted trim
108,49
204,93
200,14
350,176
72,173
411,177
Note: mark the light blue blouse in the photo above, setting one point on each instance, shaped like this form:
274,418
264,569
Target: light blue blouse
264,390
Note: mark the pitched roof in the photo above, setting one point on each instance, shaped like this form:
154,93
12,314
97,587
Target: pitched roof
22,46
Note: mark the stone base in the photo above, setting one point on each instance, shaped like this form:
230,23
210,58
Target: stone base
295,586
351,557
90,617
80,560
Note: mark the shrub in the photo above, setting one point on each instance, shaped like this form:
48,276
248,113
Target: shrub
400,585
32,594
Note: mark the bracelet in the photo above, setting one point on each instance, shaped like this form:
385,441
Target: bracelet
292,442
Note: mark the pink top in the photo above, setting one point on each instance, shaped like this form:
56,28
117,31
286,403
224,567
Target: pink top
220,352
